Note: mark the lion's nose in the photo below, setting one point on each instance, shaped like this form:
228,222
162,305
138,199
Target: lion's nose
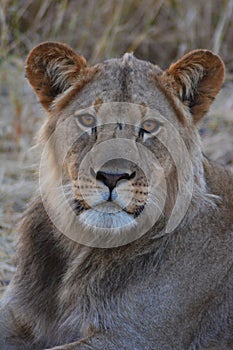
111,179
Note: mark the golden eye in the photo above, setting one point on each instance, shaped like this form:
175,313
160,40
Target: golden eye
150,125
87,120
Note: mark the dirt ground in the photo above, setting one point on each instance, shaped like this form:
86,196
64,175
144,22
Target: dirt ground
21,117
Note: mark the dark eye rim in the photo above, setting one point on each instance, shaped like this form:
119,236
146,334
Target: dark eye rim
156,128
80,116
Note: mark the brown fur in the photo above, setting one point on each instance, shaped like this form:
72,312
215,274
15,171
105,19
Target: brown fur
163,291
197,73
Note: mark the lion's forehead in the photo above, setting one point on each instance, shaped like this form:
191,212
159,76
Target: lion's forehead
119,80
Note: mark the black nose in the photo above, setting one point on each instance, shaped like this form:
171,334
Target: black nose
111,179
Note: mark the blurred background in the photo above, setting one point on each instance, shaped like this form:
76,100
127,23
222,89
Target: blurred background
157,30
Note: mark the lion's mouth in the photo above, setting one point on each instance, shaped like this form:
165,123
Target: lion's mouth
107,207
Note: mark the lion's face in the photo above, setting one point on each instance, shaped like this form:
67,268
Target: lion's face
117,137
112,162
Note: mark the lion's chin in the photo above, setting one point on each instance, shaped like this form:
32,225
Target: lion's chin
107,216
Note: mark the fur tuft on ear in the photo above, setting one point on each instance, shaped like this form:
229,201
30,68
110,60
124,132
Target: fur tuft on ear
196,79
51,68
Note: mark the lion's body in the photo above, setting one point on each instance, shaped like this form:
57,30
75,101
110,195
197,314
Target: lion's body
170,292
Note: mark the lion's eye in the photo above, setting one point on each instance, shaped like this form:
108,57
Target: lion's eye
150,125
87,120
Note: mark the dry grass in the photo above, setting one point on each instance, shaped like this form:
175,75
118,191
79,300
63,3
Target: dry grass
159,30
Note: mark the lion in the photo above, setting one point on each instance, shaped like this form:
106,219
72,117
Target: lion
128,243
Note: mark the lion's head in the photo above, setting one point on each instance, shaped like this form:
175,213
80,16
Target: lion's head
121,155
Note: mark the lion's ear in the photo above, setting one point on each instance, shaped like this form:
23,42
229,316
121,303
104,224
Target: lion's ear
196,78
51,68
